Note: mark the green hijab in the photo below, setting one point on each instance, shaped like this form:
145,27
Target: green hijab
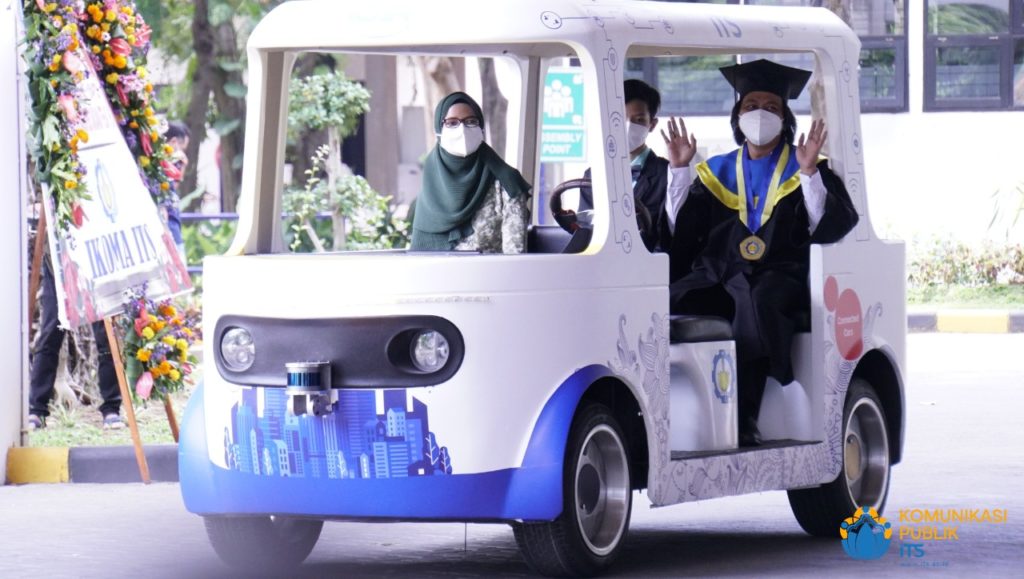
454,187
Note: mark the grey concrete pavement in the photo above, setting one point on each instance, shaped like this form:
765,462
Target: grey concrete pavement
965,450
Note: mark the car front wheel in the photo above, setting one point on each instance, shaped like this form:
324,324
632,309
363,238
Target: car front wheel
587,537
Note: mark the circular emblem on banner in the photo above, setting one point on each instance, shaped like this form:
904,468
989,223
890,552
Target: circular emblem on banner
752,248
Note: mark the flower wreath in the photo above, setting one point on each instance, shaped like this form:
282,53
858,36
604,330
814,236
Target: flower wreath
157,339
116,40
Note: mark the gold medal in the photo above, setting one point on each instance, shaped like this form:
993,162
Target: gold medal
752,248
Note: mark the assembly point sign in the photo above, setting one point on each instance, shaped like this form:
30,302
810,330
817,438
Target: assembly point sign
122,242
562,131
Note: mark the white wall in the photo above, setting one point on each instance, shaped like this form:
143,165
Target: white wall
12,242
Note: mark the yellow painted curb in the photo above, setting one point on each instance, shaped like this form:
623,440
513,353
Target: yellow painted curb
974,322
37,465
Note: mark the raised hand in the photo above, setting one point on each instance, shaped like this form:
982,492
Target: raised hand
681,146
807,149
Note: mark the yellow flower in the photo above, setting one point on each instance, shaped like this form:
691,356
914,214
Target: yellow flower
143,355
70,184
95,49
169,340
112,78
131,39
134,125
175,375
82,135
159,324
149,87
143,160
165,367
141,71
187,332
182,344
168,149
50,7
120,61
165,186
110,15
148,333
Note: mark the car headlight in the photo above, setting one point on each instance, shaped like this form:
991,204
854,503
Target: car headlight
430,351
237,349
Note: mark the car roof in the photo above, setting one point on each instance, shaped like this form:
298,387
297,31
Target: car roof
544,27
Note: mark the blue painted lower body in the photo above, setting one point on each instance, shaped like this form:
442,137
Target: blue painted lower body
530,492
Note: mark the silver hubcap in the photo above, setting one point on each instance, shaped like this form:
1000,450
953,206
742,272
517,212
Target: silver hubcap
602,490
866,454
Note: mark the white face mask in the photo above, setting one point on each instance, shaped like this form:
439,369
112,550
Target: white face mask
636,136
760,126
462,141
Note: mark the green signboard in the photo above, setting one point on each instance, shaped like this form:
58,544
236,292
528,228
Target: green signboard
562,131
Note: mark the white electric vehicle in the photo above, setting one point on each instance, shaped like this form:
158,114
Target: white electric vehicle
540,389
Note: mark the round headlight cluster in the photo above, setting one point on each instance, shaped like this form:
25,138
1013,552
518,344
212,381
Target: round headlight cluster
430,351
237,349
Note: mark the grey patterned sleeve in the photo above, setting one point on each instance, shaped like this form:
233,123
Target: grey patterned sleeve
514,220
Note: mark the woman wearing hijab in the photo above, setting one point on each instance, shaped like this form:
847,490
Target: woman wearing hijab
471,199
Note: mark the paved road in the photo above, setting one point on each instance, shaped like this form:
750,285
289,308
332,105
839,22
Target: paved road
965,450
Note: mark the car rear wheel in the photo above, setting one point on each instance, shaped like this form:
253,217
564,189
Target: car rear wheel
259,544
864,478
587,537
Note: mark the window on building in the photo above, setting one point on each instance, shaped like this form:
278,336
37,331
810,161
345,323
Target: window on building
973,54
693,86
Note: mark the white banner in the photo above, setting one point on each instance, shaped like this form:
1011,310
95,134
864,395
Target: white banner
122,241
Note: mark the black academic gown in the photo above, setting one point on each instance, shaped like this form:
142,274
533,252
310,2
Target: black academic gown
768,300
650,190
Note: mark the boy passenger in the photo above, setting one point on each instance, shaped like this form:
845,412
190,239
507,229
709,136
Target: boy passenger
742,238
658,183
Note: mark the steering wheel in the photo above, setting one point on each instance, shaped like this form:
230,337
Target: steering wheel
569,220
566,218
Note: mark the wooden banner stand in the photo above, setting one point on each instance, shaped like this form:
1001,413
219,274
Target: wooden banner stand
129,407
37,264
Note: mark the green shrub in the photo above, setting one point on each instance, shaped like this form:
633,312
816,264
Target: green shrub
955,263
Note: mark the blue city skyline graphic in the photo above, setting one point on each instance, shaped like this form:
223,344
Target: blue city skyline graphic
352,442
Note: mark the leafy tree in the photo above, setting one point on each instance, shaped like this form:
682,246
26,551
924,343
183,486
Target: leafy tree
329,101
210,36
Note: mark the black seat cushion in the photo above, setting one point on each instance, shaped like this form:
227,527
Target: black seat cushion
554,239
689,329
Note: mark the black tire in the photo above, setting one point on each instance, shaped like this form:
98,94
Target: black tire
864,478
262,544
586,538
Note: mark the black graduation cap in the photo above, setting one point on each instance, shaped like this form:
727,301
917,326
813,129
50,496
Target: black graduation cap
765,75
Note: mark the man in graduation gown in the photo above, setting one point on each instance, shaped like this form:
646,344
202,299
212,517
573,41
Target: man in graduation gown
742,238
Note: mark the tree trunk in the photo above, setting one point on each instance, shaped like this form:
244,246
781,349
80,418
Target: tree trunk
495,106
333,168
199,100
228,107
440,78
